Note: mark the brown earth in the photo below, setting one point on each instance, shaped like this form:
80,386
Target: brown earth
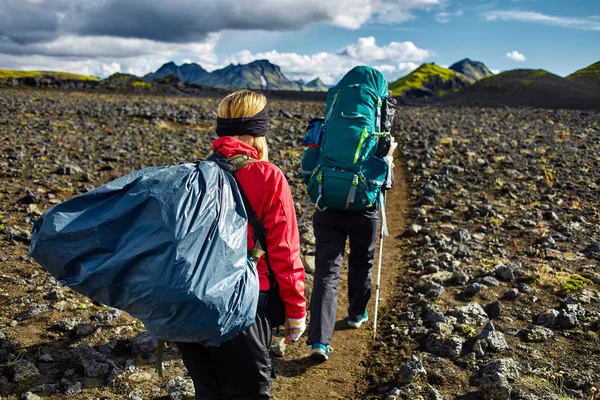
488,187
42,130
342,376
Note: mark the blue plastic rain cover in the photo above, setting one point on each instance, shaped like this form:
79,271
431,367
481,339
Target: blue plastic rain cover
168,245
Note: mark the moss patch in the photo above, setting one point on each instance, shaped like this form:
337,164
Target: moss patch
14,74
574,283
141,85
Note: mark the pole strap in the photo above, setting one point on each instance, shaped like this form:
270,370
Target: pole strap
305,213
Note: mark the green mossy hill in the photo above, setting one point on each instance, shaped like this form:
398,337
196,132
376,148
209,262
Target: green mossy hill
472,69
516,78
125,81
589,74
16,74
430,80
528,88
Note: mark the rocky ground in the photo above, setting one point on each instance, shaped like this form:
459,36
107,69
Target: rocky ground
55,145
497,291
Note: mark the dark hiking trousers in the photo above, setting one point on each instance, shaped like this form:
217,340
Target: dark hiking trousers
331,229
238,369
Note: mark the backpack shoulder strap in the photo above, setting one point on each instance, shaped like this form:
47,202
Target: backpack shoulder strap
233,165
239,162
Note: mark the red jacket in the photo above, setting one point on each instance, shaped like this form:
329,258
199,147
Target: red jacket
270,197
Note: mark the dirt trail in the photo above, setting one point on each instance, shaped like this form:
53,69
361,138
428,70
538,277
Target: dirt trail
342,376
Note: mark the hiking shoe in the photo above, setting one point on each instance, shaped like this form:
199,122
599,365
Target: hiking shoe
356,323
320,352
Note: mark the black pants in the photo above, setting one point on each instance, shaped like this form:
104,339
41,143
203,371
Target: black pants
238,369
331,229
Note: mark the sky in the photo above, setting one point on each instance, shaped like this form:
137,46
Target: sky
306,38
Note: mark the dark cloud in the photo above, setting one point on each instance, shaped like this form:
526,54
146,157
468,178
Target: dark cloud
177,21
24,22
186,21
85,29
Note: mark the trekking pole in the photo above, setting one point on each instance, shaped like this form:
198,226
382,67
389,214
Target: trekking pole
381,234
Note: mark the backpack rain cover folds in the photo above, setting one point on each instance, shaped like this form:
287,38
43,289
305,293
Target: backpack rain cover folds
168,245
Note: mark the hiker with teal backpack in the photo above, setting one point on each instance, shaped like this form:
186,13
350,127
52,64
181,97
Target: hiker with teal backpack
241,368
347,167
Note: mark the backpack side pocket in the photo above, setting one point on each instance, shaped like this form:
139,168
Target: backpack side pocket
387,113
310,160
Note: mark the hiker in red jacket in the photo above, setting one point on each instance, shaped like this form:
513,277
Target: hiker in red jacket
241,368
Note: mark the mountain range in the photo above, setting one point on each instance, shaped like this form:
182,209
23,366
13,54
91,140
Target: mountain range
259,74
472,83
466,82
429,80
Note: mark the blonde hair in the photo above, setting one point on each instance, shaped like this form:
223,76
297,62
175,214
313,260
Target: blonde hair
245,104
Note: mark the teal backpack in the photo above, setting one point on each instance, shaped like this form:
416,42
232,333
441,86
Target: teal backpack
349,169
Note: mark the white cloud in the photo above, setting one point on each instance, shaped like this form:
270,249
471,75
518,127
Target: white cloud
407,67
393,72
495,71
141,66
103,56
109,69
589,23
444,17
393,60
515,56
366,49
327,66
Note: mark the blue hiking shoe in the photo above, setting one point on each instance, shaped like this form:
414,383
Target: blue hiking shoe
356,323
320,352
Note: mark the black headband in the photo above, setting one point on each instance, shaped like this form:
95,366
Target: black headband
256,126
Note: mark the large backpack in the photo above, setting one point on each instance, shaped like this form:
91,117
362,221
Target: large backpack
350,168
168,245
275,304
